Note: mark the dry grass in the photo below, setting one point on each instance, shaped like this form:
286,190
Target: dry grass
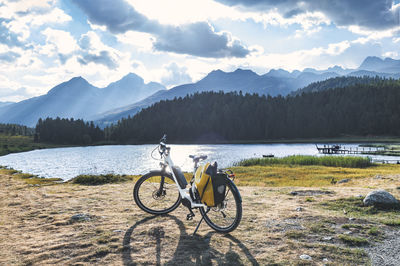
36,226
312,176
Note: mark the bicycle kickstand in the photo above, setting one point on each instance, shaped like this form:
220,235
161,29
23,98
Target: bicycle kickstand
198,225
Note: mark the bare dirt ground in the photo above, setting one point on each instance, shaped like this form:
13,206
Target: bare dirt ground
36,228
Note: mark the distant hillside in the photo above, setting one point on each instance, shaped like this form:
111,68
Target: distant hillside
2,104
77,98
387,65
360,109
338,82
273,83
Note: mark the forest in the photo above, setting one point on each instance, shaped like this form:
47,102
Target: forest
67,131
16,130
358,110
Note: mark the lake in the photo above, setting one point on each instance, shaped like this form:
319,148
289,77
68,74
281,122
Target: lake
67,163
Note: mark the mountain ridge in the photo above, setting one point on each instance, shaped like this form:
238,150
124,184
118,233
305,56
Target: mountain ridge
77,98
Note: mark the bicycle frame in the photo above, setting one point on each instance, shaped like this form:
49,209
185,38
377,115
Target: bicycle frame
184,192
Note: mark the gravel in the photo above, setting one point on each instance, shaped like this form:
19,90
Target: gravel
387,252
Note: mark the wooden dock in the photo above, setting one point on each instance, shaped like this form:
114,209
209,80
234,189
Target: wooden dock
337,149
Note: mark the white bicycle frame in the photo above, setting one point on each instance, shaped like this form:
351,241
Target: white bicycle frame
184,192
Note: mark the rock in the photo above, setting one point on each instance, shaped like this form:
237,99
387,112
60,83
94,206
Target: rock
344,181
305,257
294,193
325,260
327,238
299,209
381,198
80,217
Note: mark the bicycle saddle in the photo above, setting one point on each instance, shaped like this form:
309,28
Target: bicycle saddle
198,158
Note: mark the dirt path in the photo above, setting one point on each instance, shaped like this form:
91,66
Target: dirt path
36,228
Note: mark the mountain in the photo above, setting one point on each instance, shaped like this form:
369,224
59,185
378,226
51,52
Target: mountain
127,90
2,104
273,83
387,65
77,98
361,73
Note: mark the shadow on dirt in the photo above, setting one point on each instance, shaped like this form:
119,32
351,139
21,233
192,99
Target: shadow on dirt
164,240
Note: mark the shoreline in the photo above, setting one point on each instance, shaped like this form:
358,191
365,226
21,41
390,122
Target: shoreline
30,145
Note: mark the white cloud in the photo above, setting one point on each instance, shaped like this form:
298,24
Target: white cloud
143,41
391,54
175,75
26,15
11,8
178,12
373,34
59,41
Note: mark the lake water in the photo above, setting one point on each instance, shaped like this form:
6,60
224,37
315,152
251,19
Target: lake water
67,163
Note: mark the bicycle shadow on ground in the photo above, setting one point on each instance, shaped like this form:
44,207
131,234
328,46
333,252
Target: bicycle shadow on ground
164,240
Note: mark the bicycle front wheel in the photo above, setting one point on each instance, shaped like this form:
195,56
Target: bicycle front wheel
156,193
226,216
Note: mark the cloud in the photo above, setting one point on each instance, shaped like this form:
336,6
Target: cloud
7,37
103,58
199,39
9,57
175,75
61,41
377,14
94,51
14,95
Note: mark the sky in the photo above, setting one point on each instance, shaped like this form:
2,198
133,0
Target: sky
46,42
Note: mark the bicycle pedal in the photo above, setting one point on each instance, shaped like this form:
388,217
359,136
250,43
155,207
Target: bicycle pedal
190,216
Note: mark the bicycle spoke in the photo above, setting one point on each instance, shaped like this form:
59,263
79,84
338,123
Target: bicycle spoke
156,198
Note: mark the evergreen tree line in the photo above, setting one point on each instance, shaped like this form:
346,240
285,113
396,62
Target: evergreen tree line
16,130
67,131
361,109
337,82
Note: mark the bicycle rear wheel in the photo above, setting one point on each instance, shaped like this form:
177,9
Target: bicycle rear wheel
227,216
156,193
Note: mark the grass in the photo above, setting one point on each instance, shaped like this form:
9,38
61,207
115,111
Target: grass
12,144
93,180
28,178
355,208
295,234
392,222
354,241
333,161
374,231
282,175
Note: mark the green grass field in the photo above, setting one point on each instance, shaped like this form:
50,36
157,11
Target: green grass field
335,161
12,144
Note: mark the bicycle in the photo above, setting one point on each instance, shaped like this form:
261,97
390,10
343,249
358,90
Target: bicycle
162,191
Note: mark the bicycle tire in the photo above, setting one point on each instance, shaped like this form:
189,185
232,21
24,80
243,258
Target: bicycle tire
211,214
150,188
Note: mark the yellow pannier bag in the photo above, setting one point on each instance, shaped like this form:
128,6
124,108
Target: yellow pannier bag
204,185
